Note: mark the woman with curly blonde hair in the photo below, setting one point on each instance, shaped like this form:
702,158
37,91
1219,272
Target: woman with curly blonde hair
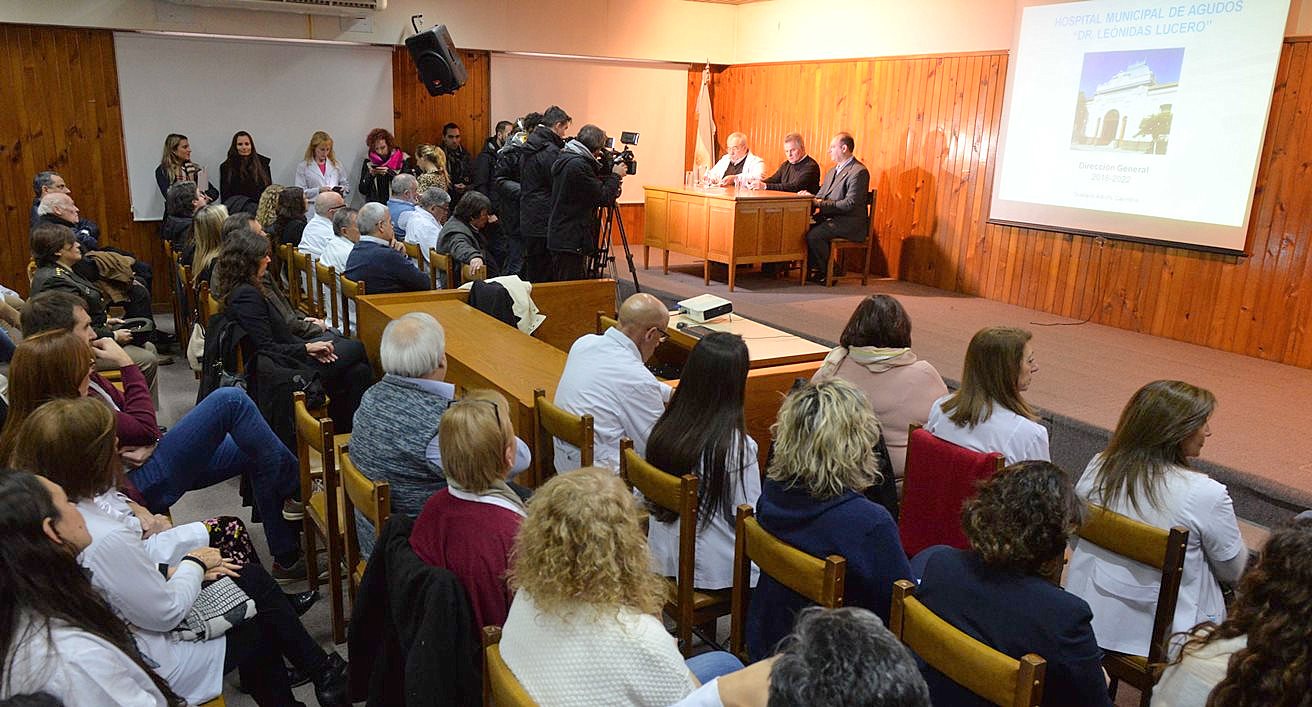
1261,654
1004,591
824,458
267,211
583,628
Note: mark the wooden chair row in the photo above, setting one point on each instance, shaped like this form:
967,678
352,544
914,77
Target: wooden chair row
334,491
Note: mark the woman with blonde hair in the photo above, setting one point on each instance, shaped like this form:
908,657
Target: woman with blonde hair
206,241
988,413
431,161
320,170
469,527
1145,474
583,629
176,166
824,458
267,210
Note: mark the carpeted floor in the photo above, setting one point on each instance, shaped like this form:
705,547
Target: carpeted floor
1260,444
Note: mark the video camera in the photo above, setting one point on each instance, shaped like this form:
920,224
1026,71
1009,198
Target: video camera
610,157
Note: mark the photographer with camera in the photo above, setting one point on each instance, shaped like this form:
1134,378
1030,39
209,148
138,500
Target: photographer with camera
581,183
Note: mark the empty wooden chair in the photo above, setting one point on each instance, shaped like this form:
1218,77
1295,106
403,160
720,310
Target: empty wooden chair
687,606
500,686
441,270
323,517
550,422
820,580
350,291
373,499
994,676
1163,550
939,477
325,277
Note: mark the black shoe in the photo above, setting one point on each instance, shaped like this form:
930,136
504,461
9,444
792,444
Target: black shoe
302,601
296,678
816,277
330,683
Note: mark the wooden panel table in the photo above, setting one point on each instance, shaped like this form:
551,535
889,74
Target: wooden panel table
725,225
766,346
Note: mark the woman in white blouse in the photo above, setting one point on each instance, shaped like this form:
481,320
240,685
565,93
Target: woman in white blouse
583,627
1262,652
60,636
320,169
72,442
988,413
703,432
1144,474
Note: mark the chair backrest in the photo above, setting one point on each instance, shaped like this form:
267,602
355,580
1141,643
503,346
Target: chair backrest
206,305
551,421
605,321
472,274
989,673
870,212
350,290
939,477
325,277
820,580
415,253
285,263
316,433
373,499
301,284
445,264
500,686
677,494
1160,549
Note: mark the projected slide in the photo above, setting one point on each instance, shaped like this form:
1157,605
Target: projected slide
1139,119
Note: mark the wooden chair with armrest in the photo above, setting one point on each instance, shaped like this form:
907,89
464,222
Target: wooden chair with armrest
500,686
991,674
443,265
325,277
373,499
350,290
323,505
1163,550
820,580
550,422
688,606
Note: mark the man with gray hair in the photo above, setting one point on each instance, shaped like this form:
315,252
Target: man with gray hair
401,203
377,259
319,231
738,166
344,236
426,221
413,390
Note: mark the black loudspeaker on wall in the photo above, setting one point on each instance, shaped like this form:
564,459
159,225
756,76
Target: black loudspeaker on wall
440,69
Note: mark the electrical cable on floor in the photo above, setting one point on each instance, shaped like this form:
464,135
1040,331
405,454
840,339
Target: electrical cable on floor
1097,289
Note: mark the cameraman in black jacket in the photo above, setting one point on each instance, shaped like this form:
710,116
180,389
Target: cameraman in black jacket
580,184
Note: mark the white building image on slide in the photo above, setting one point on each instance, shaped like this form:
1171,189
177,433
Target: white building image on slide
1112,115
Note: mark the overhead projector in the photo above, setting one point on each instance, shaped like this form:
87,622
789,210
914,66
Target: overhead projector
704,308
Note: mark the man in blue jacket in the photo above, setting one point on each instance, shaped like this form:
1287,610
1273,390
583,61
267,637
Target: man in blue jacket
378,259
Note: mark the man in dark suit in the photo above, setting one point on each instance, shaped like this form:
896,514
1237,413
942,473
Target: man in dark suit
378,259
840,206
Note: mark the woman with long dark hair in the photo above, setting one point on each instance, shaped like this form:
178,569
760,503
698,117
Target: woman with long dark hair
69,442
289,223
1145,473
58,635
704,432
988,413
245,172
341,363
1261,655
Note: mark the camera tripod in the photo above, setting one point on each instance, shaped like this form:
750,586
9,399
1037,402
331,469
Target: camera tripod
601,258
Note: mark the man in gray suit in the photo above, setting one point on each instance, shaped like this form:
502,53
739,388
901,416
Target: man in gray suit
840,207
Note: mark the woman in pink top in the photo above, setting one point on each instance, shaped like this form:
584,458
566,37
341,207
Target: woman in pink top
470,526
874,354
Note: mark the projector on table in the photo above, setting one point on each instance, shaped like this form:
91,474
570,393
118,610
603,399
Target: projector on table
704,308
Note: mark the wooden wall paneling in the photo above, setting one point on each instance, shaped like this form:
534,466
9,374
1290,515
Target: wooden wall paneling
419,117
927,128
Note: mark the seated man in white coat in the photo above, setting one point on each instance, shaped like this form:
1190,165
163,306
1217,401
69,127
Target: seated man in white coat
319,231
432,209
605,377
738,166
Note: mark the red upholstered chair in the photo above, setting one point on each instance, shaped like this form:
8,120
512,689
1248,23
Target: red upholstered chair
939,477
